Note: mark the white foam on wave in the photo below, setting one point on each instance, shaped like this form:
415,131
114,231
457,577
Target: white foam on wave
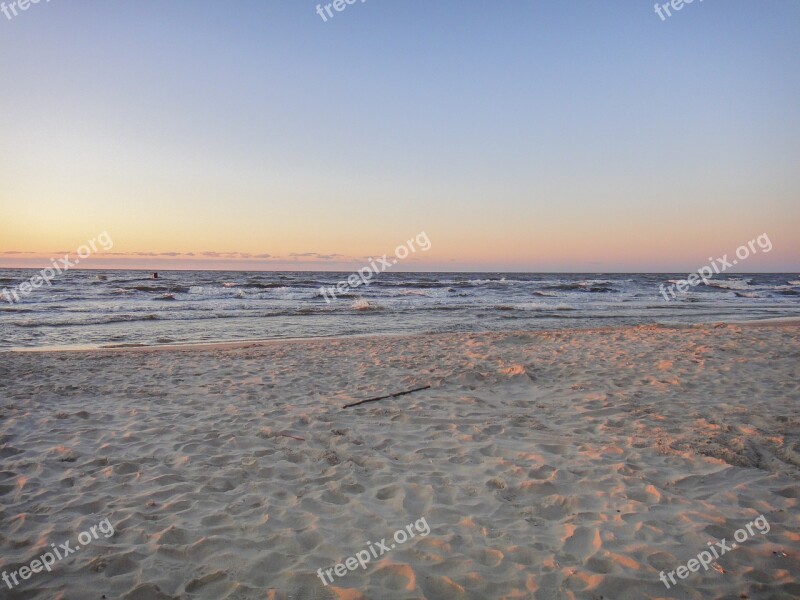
362,304
543,306
216,292
730,284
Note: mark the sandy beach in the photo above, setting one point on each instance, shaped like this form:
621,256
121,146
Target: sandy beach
400,300
547,465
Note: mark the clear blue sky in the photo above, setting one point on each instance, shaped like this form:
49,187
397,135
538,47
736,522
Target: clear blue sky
520,135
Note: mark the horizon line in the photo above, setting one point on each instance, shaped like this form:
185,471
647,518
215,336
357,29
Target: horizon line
407,272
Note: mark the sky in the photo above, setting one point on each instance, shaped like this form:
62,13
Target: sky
524,135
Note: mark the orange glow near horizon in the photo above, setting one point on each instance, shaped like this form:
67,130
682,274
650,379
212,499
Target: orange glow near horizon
549,251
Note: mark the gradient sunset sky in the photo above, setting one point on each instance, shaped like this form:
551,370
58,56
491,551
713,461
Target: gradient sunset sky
519,135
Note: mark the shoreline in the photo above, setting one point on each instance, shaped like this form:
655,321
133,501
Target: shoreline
236,344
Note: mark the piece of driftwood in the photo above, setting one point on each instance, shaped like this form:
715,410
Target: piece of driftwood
294,437
425,387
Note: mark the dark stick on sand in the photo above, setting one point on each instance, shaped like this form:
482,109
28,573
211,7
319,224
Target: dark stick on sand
294,437
425,387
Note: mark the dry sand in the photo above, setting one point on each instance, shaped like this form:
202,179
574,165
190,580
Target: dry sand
547,465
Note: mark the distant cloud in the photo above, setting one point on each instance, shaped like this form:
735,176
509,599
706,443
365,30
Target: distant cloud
209,254
316,255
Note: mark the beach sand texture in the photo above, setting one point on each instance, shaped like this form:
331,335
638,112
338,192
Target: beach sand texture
575,464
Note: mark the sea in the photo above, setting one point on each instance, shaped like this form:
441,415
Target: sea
121,308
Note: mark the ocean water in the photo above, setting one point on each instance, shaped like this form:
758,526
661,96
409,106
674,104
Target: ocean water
121,308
